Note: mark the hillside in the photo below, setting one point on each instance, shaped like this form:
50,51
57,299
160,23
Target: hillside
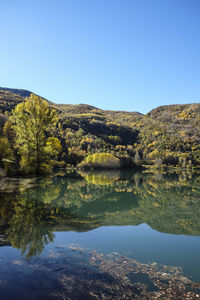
166,136
173,134
9,98
20,92
8,101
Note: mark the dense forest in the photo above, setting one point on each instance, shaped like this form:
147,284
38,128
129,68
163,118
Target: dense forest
38,136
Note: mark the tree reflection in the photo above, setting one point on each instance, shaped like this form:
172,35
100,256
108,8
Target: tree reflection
29,228
29,216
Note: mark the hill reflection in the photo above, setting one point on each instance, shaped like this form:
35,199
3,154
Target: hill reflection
30,211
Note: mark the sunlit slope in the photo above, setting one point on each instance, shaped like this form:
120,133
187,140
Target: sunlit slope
166,136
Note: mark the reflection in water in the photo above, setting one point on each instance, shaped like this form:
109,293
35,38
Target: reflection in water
35,212
28,217
76,273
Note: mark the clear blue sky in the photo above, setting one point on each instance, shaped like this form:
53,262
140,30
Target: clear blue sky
113,54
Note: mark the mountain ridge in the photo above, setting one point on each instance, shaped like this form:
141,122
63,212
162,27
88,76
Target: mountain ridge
26,93
168,135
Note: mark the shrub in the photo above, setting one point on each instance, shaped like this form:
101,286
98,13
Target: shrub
100,160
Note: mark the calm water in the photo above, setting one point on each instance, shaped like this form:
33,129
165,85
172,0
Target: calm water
59,235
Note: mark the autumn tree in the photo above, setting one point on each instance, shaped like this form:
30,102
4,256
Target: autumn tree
33,121
6,154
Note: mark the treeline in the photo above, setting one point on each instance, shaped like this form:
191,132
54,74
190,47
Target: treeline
36,139
37,136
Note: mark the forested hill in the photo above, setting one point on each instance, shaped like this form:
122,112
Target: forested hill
20,92
166,136
9,98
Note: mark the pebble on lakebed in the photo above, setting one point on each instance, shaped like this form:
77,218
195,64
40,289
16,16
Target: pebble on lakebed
120,277
74,272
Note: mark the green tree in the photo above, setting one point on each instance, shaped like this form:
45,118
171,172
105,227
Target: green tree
6,153
33,122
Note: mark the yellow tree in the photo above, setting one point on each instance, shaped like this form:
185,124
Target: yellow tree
32,122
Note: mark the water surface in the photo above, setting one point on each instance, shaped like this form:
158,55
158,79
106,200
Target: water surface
62,234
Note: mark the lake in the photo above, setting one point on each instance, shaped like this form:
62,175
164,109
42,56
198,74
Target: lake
102,235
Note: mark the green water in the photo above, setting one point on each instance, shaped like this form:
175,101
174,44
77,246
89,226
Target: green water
46,223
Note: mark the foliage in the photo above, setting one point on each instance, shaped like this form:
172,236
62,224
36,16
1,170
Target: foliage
6,155
100,160
32,122
168,136
5,150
